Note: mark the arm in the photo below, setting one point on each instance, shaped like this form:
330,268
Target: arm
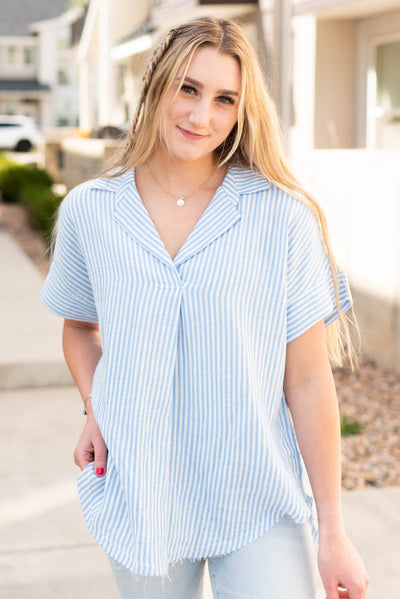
311,396
82,351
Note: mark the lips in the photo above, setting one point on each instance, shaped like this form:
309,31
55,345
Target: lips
190,135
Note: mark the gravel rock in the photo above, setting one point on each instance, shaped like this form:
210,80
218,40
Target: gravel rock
370,396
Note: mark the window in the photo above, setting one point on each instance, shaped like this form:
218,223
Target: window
11,55
388,95
28,56
62,77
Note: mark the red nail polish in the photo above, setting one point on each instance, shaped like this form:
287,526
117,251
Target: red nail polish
99,471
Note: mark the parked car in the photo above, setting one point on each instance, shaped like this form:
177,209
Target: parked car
19,133
108,132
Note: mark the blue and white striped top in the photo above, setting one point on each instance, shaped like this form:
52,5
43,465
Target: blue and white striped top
188,394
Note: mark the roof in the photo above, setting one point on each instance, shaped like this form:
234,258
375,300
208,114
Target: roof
17,16
22,85
143,29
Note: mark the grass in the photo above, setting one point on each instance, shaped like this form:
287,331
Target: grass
350,428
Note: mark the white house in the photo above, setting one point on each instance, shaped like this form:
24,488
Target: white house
38,72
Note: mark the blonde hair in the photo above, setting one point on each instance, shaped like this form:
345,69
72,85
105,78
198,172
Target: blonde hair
255,141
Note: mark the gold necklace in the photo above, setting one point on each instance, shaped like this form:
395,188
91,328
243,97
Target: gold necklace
182,199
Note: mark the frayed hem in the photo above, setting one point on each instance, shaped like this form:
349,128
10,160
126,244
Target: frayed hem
145,577
142,578
204,557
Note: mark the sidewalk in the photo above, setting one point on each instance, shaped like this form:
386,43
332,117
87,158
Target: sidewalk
30,348
46,551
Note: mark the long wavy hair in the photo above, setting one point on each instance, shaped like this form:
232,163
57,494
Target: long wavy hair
255,141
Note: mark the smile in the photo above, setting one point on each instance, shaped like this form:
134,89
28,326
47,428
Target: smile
190,134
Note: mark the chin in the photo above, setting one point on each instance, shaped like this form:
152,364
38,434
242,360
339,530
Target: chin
188,156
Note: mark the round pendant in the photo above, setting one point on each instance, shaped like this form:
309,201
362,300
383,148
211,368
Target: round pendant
180,202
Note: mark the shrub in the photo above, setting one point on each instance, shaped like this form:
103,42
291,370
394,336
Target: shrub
42,204
4,161
30,186
15,177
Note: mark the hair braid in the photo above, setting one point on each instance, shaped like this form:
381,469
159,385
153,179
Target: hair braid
157,55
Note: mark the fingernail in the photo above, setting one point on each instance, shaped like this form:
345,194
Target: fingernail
99,471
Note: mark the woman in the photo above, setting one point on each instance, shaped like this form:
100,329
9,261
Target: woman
195,281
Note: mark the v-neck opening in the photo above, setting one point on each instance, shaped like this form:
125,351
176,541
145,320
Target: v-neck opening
219,216
197,223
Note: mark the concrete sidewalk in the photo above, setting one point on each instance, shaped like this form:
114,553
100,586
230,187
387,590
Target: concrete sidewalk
46,551
30,347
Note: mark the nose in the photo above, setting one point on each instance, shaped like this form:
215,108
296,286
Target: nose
200,114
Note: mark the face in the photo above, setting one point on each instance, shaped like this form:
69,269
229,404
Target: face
205,108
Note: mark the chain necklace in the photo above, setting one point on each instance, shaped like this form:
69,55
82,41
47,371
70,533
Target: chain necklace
182,199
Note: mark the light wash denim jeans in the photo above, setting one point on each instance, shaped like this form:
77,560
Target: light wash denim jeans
277,565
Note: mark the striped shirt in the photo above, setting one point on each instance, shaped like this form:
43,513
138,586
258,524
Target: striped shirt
188,393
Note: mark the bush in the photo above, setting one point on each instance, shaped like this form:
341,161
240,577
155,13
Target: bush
42,204
15,177
30,186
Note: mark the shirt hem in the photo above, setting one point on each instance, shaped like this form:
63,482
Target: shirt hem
146,569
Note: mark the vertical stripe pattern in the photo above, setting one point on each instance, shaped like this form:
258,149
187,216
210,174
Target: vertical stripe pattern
188,393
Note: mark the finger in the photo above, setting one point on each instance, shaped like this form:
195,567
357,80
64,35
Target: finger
83,457
331,592
100,459
337,592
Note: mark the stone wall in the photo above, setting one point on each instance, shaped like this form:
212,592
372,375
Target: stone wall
73,160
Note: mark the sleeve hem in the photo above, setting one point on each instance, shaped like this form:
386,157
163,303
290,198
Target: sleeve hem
66,315
327,317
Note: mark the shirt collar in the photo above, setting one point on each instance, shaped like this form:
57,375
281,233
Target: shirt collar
239,180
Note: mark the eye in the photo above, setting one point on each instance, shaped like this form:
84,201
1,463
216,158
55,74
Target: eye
188,89
226,100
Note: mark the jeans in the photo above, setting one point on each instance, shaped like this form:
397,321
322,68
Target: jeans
277,565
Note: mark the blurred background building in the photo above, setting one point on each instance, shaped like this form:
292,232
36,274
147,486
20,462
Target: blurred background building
38,68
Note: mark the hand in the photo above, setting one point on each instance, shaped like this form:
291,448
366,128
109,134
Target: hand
91,446
342,570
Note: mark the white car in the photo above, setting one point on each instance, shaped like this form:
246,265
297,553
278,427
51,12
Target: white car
19,133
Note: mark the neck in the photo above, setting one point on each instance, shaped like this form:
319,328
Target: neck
181,173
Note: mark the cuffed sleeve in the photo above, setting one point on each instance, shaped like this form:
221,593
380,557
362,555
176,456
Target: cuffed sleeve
310,281
67,290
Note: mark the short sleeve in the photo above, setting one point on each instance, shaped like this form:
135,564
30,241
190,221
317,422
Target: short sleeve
310,282
67,290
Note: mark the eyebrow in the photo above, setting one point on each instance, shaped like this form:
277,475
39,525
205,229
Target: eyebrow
227,92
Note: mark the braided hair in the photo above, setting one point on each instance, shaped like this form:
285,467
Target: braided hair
157,55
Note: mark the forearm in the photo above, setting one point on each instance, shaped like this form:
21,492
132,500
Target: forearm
316,420
82,351
311,396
